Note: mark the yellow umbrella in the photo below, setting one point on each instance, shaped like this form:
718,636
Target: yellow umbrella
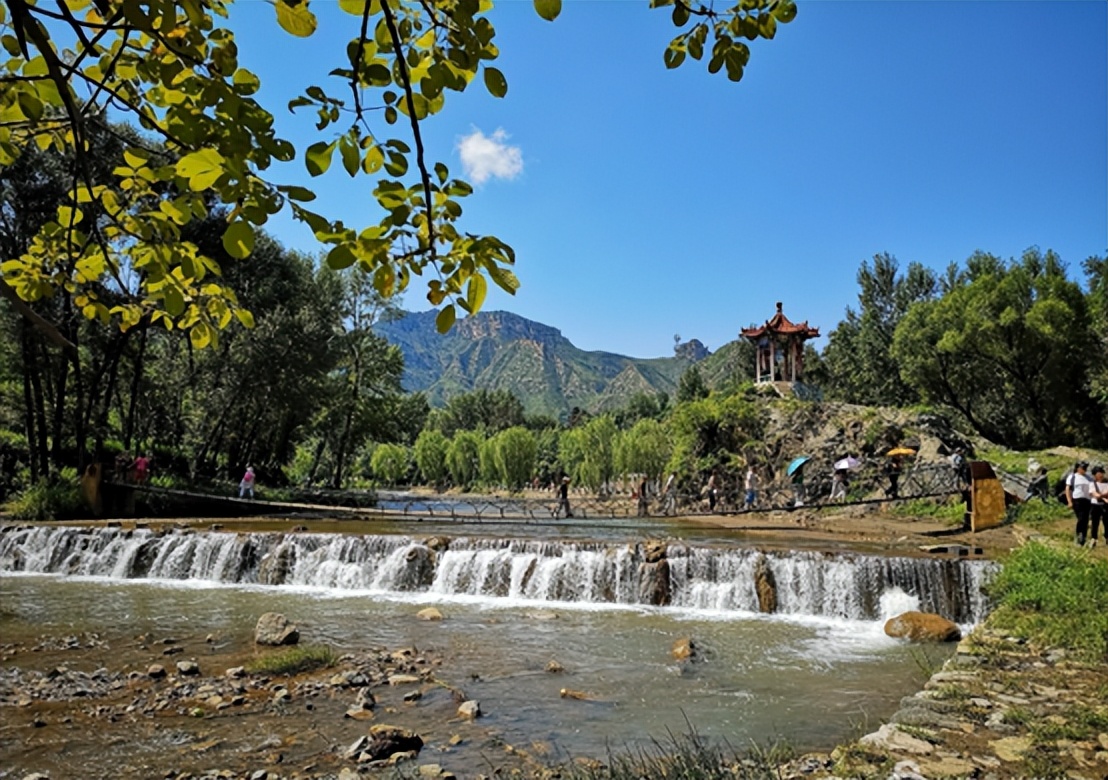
900,451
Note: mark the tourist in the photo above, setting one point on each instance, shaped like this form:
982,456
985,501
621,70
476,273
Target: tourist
798,487
713,490
1078,491
563,498
247,483
1098,505
141,468
838,485
750,486
669,495
892,471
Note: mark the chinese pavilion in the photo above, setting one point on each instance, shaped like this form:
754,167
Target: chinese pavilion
780,348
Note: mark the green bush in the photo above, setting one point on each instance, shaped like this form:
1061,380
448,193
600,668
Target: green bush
53,498
1056,596
293,660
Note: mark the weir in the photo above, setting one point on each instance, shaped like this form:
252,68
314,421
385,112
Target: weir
673,574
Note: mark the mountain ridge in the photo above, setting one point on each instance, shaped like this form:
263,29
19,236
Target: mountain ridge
498,350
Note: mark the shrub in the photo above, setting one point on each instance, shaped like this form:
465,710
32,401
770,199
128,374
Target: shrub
1056,596
53,498
293,660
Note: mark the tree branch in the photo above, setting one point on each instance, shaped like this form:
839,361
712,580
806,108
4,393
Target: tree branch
398,50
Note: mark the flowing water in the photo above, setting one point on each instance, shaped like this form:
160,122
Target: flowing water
817,670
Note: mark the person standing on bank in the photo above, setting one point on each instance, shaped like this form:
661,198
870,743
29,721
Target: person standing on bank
563,498
713,490
247,483
1098,505
750,485
669,495
896,465
1078,492
644,502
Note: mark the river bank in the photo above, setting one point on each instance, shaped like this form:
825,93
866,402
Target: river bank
74,704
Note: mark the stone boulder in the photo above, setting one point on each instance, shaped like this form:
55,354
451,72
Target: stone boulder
384,741
765,585
654,583
430,613
274,629
923,627
684,649
653,551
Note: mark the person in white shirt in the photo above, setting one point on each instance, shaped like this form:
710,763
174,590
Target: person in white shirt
1098,505
1078,492
750,485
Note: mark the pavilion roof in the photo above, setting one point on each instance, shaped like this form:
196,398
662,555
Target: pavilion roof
779,324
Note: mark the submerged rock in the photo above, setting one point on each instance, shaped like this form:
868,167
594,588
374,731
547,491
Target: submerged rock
274,629
923,627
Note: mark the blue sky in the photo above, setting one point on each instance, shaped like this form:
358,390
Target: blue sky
644,203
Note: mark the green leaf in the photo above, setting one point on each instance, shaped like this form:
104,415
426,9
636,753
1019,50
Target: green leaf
318,157
174,301
680,14
548,10
246,82
296,19
200,335
298,193
351,159
495,82
238,239
445,319
341,257
353,7
673,57
505,279
202,168
785,11
374,159
476,290
245,317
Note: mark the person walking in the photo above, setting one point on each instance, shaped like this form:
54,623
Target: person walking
141,468
669,495
1098,505
892,471
563,498
246,485
798,487
750,488
644,502
838,485
1078,491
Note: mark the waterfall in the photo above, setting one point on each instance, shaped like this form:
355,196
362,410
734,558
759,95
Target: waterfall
841,585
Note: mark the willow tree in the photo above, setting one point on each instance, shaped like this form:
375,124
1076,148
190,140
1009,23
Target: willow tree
172,68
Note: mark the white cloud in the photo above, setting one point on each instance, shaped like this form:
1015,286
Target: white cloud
485,156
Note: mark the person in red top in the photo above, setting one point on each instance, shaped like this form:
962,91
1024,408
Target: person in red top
141,468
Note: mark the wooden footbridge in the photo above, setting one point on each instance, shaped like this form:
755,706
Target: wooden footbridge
985,496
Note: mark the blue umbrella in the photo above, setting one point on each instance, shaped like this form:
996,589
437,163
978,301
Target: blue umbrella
797,464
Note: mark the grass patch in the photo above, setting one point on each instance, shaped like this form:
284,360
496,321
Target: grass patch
293,660
1056,596
949,510
1037,514
686,756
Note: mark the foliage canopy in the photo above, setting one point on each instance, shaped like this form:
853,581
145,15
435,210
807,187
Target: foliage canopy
172,67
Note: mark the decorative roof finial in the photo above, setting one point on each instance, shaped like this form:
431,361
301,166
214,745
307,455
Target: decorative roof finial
779,307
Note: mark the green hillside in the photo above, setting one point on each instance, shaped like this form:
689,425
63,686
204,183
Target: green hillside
503,351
